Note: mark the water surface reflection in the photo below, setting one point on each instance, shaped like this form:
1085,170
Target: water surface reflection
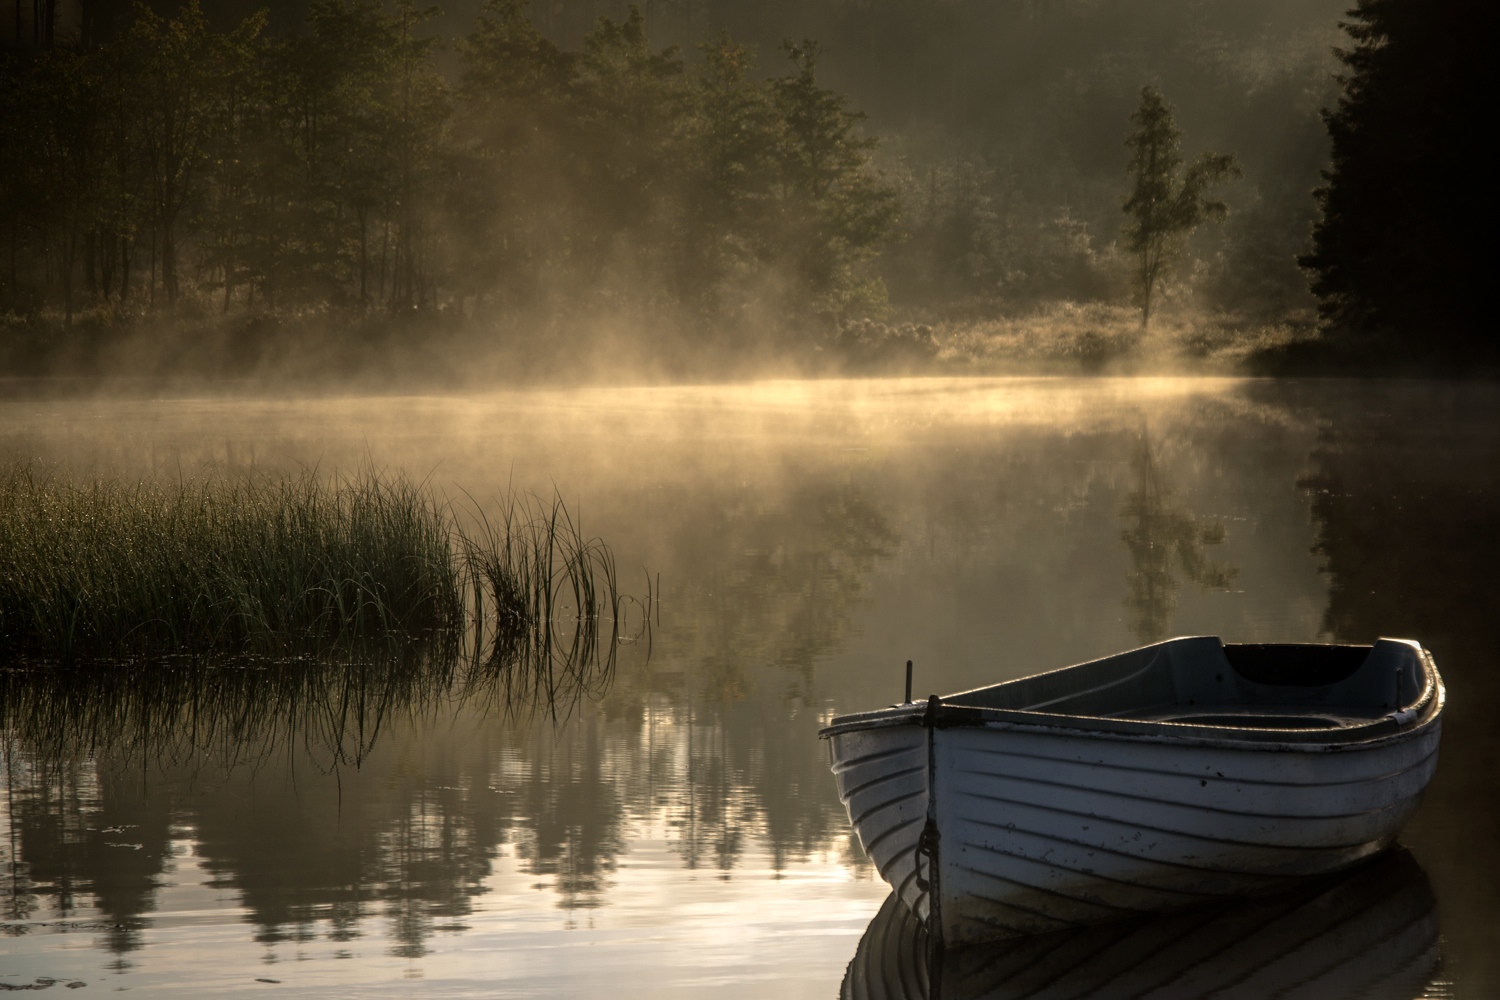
680,832
1164,539
1369,934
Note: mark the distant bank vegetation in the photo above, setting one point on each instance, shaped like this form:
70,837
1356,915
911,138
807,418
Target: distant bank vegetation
282,568
334,186
337,171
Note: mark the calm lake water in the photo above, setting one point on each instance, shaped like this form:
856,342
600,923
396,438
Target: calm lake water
679,835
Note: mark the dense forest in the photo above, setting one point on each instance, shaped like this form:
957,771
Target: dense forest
672,178
337,169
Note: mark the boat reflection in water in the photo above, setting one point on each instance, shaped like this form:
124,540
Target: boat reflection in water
1370,933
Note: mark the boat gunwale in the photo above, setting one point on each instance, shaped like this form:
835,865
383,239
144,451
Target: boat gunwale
1376,732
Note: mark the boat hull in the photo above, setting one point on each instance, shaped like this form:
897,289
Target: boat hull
1034,829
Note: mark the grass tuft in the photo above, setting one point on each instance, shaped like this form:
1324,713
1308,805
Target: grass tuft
548,591
117,568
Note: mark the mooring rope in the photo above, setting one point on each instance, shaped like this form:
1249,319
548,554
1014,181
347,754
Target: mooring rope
928,844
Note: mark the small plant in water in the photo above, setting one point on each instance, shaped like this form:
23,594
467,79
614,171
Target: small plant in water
546,589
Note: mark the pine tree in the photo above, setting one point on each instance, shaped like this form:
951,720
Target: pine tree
1166,205
1397,250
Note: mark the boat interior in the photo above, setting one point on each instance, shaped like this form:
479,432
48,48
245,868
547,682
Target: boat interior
1202,681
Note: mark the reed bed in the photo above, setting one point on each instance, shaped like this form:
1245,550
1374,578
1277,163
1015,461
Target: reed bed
115,568
120,570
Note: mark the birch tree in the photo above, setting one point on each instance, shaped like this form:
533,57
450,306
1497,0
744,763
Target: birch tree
1166,203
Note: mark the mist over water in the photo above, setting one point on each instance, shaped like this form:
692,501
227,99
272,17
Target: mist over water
680,834
483,250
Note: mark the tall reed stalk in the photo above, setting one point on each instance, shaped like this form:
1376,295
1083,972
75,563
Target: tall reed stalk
549,592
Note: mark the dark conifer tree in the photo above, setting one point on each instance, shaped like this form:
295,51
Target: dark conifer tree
1397,250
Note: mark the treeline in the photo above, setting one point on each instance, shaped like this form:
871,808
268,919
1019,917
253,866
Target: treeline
562,170
338,169
1006,122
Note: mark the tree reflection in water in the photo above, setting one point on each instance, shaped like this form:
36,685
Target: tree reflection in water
1164,538
977,529
111,768
1404,489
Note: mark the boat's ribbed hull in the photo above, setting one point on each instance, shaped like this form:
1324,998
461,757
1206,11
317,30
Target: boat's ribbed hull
882,780
1046,830
1370,933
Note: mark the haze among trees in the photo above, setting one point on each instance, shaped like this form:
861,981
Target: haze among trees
220,189
338,169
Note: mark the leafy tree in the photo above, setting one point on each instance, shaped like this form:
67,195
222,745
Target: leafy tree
784,205
329,169
235,111
415,113
730,142
1396,249
514,111
71,180
1166,204
356,119
834,212
632,100
176,76
69,154
122,206
322,169
24,155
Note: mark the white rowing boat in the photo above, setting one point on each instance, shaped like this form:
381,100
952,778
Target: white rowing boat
1157,779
